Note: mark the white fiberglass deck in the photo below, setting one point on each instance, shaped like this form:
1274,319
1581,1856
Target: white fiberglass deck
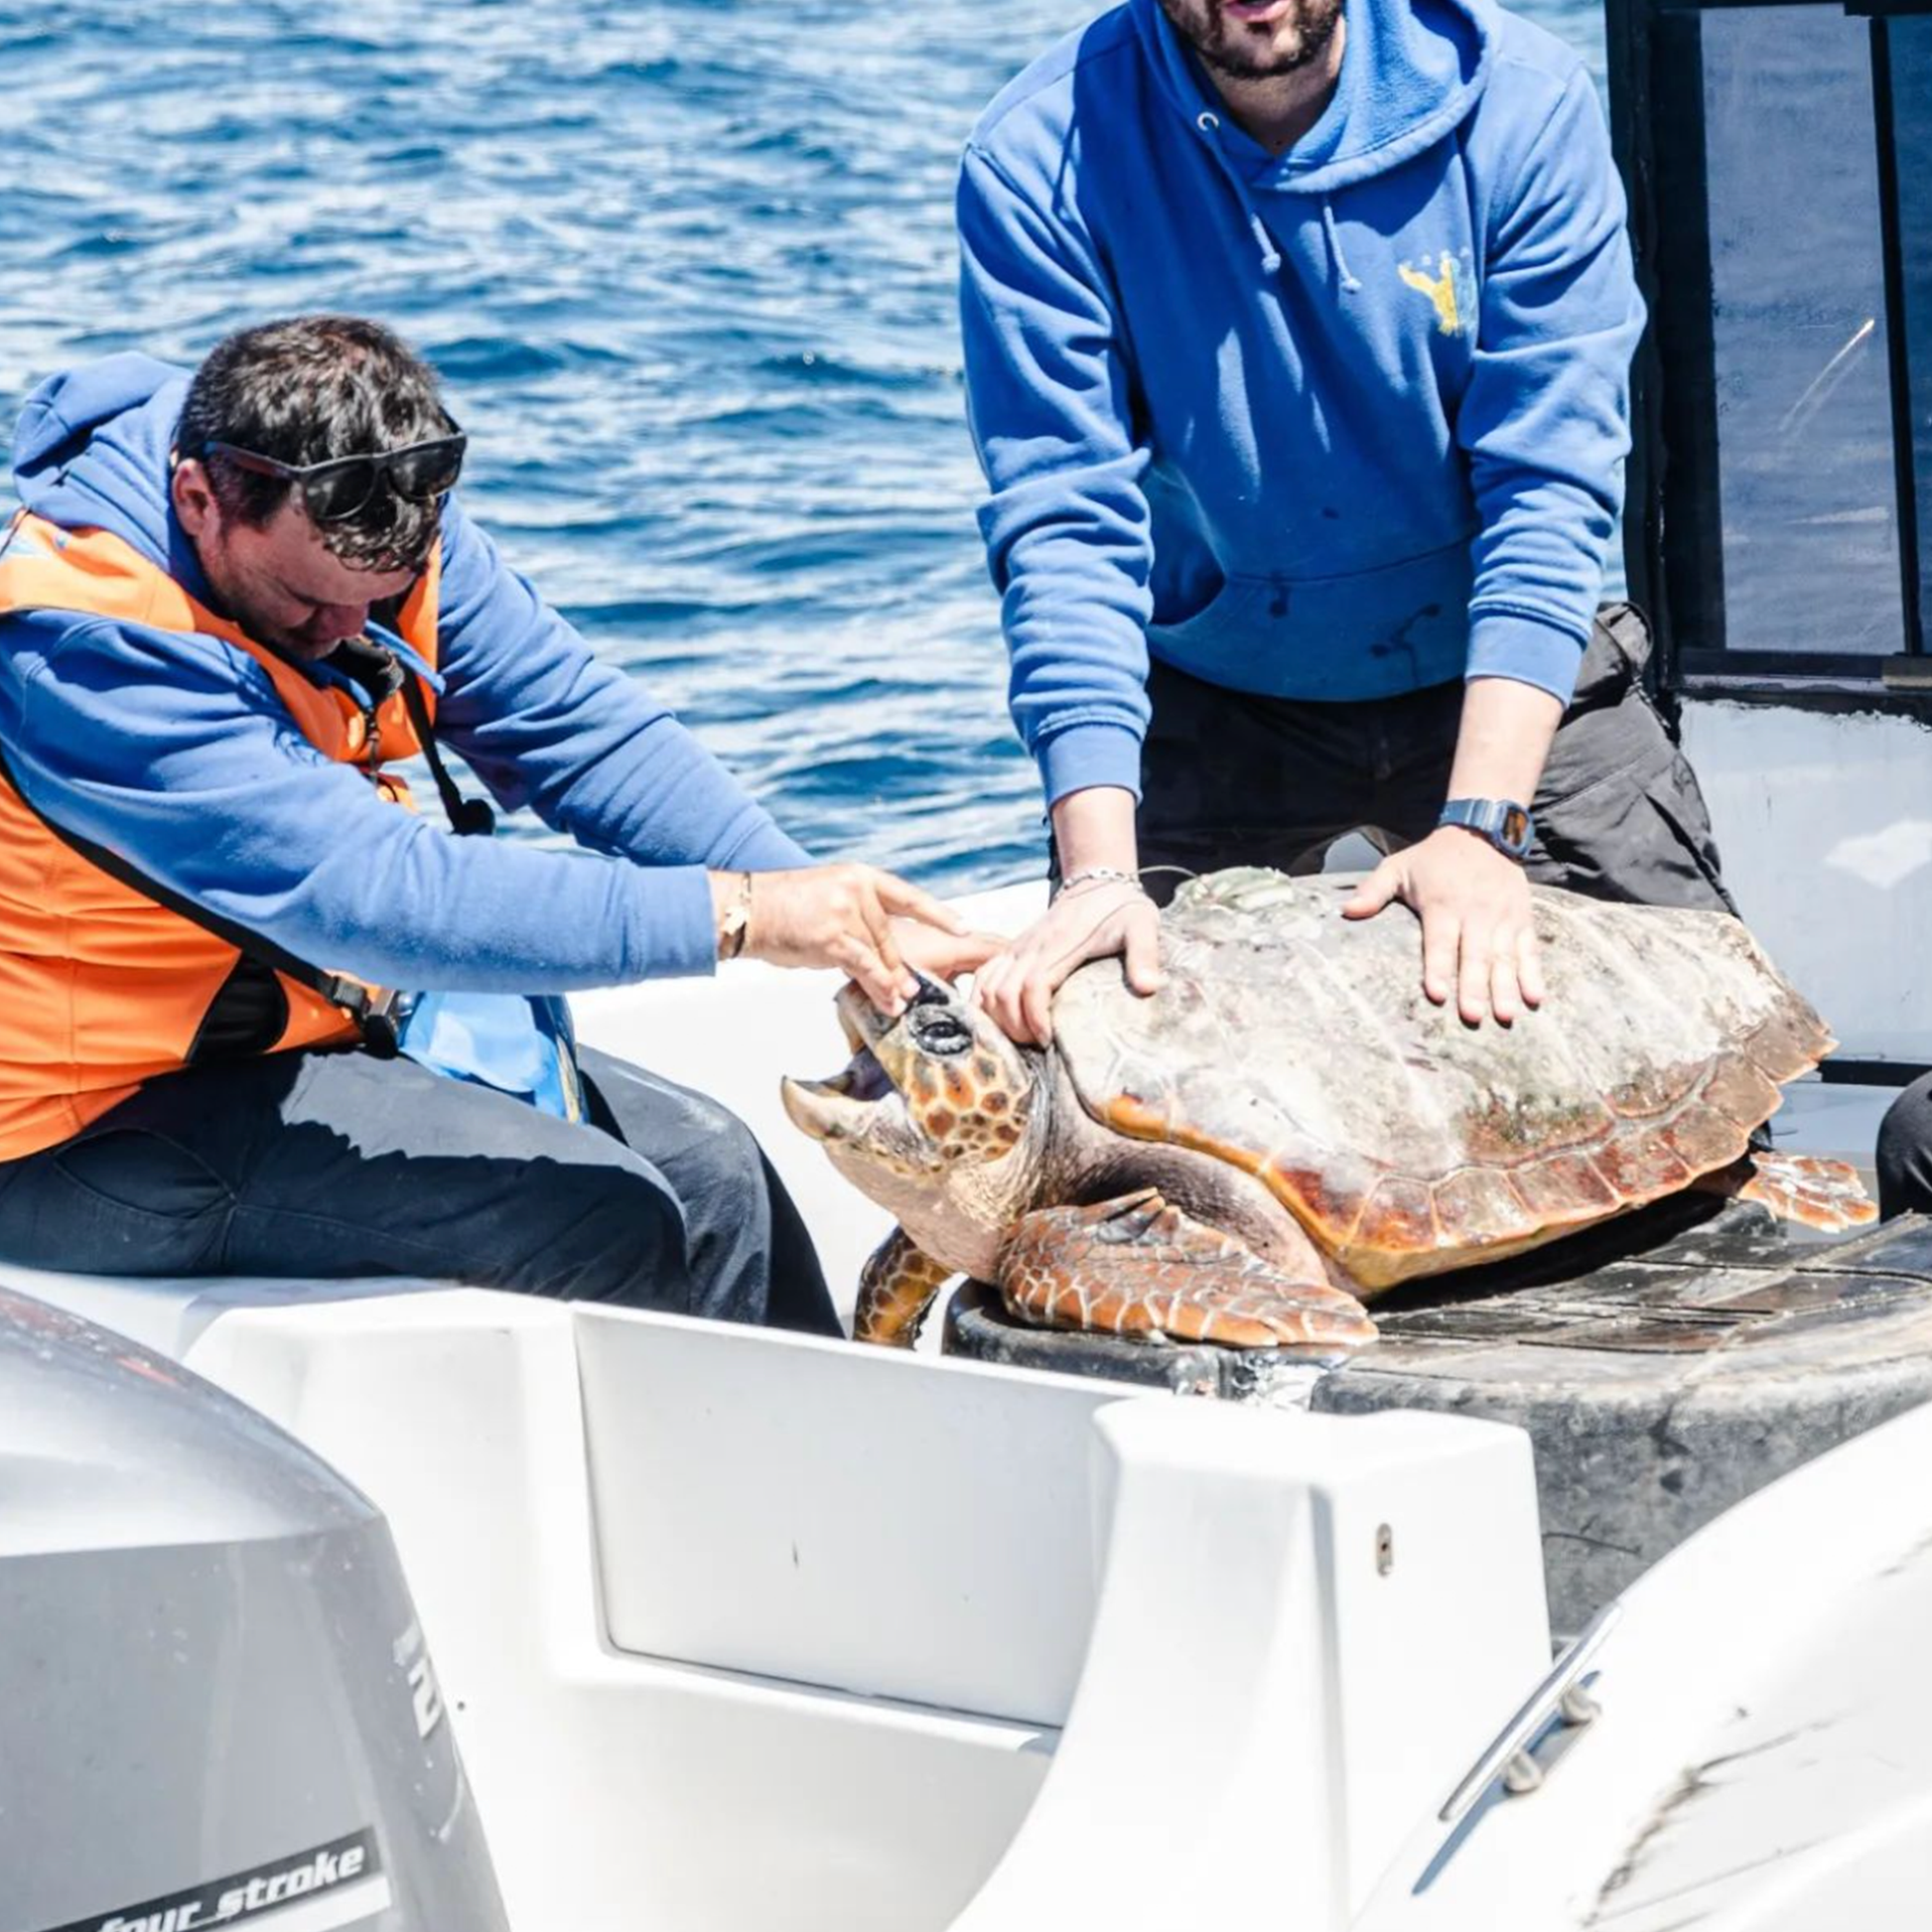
746,1632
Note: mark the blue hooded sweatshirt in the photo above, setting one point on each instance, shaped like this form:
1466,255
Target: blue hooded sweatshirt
1337,424
174,753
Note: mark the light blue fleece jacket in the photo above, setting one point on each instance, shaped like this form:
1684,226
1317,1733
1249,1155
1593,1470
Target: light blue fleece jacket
1338,425
174,753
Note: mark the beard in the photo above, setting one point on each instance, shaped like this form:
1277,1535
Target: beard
1255,52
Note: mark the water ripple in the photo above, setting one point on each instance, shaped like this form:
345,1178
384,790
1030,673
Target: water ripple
688,273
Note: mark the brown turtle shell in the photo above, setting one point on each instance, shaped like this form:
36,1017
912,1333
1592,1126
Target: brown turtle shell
1300,1046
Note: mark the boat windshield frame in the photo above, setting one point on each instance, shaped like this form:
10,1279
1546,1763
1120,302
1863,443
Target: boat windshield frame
1844,531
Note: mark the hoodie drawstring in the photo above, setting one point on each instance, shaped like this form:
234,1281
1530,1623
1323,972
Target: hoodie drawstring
1271,256
1349,284
1210,123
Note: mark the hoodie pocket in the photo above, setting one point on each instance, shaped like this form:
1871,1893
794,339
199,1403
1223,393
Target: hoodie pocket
1363,634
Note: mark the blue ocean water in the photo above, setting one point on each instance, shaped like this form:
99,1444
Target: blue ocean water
687,270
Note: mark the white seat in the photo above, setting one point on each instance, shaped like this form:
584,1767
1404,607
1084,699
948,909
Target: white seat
170,1312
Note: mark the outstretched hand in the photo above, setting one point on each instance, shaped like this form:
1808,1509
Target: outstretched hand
945,955
1478,936
1084,923
847,916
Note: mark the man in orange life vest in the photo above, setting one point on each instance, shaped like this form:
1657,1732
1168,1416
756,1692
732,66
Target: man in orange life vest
229,605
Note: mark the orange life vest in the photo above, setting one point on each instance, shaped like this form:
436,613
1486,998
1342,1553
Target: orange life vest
101,985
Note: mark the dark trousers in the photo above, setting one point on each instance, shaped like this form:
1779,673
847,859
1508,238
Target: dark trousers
336,1163
1905,1152
1229,778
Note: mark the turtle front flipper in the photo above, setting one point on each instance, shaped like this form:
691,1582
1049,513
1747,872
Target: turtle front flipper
897,1286
1138,1265
1807,1187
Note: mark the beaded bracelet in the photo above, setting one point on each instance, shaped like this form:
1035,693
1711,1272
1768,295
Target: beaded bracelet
1096,875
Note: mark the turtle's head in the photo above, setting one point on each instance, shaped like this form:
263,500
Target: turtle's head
939,1088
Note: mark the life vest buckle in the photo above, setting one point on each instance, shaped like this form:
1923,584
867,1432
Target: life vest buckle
379,1013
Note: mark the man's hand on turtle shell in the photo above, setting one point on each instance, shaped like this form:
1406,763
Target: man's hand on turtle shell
844,917
1084,923
1479,935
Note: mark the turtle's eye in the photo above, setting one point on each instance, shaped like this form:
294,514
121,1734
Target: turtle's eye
937,1030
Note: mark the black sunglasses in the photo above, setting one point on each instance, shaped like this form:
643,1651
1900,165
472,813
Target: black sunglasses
332,490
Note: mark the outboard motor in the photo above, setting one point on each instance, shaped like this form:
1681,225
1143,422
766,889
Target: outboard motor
216,1707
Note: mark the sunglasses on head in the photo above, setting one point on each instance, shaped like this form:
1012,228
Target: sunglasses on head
332,490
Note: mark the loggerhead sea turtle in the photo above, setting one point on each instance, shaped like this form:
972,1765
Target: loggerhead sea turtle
1288,1126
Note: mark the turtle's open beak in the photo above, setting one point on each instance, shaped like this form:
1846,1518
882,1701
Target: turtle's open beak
818,1109
862,1023
839,1108
848,1103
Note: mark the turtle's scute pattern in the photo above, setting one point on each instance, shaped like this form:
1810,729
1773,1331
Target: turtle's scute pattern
1138,1265
1300,1046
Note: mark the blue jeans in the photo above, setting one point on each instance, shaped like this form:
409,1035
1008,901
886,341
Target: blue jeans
338,1164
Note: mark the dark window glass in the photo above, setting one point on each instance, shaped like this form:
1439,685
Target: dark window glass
1807,479
1911,94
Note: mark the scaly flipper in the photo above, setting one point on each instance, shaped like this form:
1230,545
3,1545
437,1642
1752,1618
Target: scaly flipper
1820,1194
896,1285
1137,1266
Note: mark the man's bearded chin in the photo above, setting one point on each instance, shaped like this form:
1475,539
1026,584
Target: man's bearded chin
1245,53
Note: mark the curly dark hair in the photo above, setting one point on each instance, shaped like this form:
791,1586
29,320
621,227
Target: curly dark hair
305,390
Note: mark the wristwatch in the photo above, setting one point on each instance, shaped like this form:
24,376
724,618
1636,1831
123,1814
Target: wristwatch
1504,823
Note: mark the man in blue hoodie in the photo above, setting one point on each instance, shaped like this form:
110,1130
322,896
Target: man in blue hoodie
226,605
1297,350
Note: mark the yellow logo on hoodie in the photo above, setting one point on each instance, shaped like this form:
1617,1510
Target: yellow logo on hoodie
1450,288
